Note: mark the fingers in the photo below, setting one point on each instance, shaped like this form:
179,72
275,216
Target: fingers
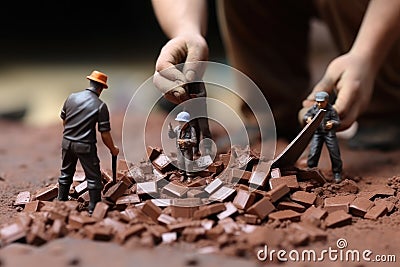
347,104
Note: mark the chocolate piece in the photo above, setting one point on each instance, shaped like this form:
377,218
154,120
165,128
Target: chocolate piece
208,210
127,233
313,214
128,199
196,193
278,192
376,211
204,162
240,176
58,229
213,186
36,234
22,198
12,233
258,179
151,210
116,226
146,168
161,202
332,204
225,158
275,173
169,237
197,182
97,232
223,194
191,234
115,191
390,205
163,163
81,188
175,190
153,152
283,215
183,212
290,181
216,167
248,218
261,208
314,233
166,219
147,189
244,199
229,225
230,210
84,198
289,205
360,206
78,221
187,202
184,224
100,210
293,151
337,219
33,206
305,198
48,193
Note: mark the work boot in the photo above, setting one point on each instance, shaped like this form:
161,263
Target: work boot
95,196
337,177
63,192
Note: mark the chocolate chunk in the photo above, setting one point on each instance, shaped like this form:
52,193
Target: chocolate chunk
97,232
166,219
284,215
216,167
376,211
169,237
81,188
290,181
313,214
115,191
153,152
204,162
147,189
278,192
48,193
360,206
128,199
248,218
127,233
12,233
314,233
163,163
275,173
314,174
258,179
337,219
33,206
304,198
78,221
213,186
240,176
208,210
196,193
244,199
261,208
229,211
332,204
22,198
151,210
289,205
100,210
175,190
223,194
192,234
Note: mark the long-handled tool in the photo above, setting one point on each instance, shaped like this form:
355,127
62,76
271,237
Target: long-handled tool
114,169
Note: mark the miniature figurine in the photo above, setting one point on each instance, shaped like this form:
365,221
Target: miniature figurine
185,141
326,132
80,114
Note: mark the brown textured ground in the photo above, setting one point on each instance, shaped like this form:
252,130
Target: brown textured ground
30,158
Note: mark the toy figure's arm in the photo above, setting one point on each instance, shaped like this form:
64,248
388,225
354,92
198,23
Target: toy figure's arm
171,132
309,115
193,140
108,141
334,121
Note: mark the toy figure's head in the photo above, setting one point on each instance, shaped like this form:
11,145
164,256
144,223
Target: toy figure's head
322,99
98,77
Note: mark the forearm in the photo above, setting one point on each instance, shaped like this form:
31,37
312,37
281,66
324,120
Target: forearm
177,17
378,31
107,140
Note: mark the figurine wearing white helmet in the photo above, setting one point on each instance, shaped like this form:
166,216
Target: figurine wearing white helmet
185,141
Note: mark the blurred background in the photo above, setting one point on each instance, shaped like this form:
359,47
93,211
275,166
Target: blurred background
48,48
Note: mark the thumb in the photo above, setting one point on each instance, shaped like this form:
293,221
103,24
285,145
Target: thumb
326,84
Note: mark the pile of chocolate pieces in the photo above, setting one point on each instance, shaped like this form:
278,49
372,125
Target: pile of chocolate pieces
230,207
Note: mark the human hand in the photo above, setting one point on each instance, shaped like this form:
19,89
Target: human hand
352,78
188,49
114,151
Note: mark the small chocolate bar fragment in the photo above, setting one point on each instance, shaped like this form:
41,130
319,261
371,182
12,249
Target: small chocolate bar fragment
360,206
100,210
278,192
47,193
284,215
261,208
115,191
151,210
22,198
213,186
304,198
337,219
223,194
244,199
175,190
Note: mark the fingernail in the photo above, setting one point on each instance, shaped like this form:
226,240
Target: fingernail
190,75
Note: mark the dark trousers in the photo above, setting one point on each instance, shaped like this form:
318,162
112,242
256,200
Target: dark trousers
87,155
333,147
185,160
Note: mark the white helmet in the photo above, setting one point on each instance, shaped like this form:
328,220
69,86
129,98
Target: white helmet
183,116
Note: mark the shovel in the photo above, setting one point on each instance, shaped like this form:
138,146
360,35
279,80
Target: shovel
114,169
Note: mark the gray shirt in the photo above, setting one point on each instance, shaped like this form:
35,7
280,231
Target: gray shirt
81,112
